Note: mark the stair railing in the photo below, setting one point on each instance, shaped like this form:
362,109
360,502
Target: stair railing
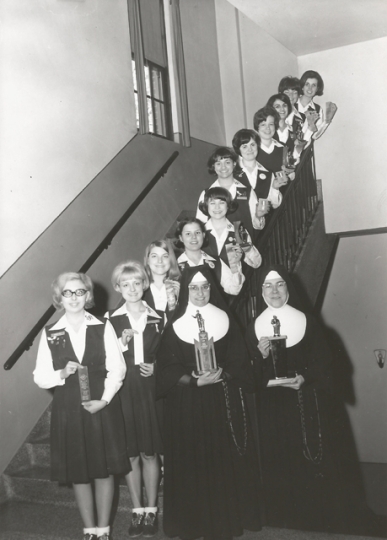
27,342
283,238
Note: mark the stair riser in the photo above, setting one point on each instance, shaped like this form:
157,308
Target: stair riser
47,492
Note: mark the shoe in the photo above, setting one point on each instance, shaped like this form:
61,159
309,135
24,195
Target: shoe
105,536
89,536
150,525
136,525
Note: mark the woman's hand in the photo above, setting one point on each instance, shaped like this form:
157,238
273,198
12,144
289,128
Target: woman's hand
235,256
208,377
280,180
264,346
174,285
94,405
312,117
127,335
147,370
296,383
70,369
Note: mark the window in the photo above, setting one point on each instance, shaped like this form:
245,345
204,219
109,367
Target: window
157,98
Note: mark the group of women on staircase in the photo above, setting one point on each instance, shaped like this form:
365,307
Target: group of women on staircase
162,379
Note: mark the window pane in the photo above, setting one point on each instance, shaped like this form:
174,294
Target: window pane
137,113
157,83
147,81
134,75
150,116
160,123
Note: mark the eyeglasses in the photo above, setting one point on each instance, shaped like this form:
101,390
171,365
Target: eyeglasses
270,286
79,292
197,288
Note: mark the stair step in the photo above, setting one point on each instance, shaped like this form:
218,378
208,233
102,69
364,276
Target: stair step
33,484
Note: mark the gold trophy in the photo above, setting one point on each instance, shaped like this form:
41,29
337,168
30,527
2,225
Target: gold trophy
278,350
204,349
83,375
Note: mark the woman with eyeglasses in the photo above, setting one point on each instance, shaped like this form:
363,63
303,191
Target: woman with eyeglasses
304,484
87,427
211,481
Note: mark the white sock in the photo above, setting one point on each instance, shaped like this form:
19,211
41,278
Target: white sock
138,510
90,530
102,530
152,509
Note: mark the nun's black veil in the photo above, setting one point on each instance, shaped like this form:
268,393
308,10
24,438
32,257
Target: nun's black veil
216,297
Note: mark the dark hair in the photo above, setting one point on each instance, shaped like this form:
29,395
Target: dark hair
180,226
281,97
166,245
310,74
289,83
218,193
262,115
243,136
222,152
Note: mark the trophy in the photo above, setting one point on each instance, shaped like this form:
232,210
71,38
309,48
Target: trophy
204,349
288,160
241,235
83,375
278,350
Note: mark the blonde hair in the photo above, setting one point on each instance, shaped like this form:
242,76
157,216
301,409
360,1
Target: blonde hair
134,268
59,283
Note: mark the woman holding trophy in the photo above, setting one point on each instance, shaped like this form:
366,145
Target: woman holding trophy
303,482
211,483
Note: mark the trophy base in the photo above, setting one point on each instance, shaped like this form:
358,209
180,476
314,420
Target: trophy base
280,381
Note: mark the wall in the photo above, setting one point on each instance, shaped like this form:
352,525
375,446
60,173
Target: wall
350,156
202,70
65,107
355,308
251,62
22,402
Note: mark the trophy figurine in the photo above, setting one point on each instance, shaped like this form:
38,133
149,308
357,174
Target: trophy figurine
241,235
204,349
278,350
83,375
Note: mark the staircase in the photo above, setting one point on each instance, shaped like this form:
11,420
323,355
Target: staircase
33,502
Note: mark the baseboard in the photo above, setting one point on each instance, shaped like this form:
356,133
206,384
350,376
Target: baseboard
375,483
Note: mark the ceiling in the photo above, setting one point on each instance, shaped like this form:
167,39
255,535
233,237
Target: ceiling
308,26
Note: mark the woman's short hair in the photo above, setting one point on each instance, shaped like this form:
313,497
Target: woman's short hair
166,245
310,74
59,283
218,193
282,97
129,268
243,136
180,226
289,83
222,152
262,115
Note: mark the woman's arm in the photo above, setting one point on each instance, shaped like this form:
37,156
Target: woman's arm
115,364
44,374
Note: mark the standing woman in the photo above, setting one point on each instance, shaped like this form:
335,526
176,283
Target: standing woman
302,478
164,274
317,120
87,437
211,485
190,234
138,328
284,134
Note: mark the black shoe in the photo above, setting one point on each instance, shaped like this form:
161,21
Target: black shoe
105,536
150,525
89,536
136,525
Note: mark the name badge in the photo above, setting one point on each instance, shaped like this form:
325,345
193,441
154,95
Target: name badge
241,194
262,176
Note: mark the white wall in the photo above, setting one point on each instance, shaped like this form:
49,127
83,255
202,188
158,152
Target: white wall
351,155
251,65
66,108
202,70
355,307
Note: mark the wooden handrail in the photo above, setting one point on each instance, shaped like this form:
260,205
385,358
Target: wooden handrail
30,337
